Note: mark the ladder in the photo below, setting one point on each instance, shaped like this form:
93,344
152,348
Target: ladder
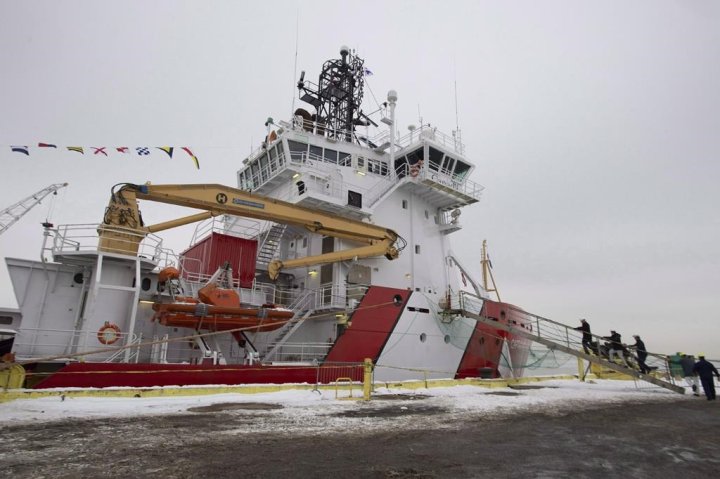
271,243
549,333
10,215
304,307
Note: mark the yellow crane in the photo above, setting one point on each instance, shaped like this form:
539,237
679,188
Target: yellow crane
122,229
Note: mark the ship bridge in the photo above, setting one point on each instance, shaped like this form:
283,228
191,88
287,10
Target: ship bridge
299,163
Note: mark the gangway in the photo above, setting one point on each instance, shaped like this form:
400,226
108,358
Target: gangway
549,333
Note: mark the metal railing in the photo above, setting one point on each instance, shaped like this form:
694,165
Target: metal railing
32,343
548,331
452,142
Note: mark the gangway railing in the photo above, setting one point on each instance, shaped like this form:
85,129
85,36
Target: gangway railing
552,334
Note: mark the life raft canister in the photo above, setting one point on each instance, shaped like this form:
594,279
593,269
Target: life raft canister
109,333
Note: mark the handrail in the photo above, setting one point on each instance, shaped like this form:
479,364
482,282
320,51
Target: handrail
552,334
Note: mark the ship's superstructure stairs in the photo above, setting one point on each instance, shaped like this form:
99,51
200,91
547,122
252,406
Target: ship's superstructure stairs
551,334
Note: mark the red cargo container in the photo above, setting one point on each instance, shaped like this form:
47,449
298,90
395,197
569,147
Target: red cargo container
205,256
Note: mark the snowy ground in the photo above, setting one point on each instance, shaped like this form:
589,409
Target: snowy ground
308,411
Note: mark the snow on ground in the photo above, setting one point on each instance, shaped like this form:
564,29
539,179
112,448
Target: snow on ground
314,412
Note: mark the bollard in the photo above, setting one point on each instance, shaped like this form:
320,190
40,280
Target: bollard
367,378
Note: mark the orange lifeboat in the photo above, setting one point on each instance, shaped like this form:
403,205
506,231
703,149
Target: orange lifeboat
219,318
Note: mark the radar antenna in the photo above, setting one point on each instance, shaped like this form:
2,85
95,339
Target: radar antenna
338,96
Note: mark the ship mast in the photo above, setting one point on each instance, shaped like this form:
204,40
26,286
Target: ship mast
487,271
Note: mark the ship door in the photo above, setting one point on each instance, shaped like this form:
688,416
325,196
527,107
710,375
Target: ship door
326,270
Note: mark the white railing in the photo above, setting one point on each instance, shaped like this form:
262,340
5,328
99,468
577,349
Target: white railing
435,173
434,135
83,238
228,225
41,342
300,352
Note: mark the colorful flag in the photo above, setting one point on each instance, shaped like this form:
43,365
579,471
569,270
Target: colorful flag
166,149
142,150
194,158
79,149
46,145
21,149
122,149
99,150
367,72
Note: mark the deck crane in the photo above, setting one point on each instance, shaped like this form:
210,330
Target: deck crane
123,229
12,214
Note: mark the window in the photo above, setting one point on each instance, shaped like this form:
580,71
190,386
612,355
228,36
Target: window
435,158
298,150
273,159
361,162
427,215
330,156
345,159
316,153
461,170
304,243
6,320
417,249
404,204
377,166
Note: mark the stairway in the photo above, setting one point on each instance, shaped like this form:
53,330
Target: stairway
553,335
270,244
304,308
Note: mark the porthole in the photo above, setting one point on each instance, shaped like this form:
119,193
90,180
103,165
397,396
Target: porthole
78,278
447,339
397,300
423,337
146,283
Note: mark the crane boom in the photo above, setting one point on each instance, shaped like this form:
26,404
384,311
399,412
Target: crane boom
122,229
10,215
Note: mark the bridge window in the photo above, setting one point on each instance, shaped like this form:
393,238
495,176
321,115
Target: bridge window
316,153
298,151
435,158
345,159
330,156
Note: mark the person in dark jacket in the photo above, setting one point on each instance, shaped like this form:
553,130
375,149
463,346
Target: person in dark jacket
687,361
705,370
641,352
615,347
587,336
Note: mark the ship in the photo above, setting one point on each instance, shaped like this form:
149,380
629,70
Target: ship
333,249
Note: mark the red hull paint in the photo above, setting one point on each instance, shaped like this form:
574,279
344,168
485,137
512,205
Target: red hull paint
485,345
103,375
372,323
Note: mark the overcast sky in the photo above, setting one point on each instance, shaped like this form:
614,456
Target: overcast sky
594,126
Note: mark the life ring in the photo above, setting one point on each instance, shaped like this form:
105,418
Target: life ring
109,333
414,171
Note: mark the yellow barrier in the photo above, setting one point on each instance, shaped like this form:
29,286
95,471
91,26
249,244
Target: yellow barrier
12,377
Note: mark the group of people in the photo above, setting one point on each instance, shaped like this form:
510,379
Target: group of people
679,364
684,365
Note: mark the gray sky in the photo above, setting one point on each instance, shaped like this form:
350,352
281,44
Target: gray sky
593,125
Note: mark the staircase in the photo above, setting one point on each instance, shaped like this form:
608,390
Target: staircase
304,308
553,335
270,244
